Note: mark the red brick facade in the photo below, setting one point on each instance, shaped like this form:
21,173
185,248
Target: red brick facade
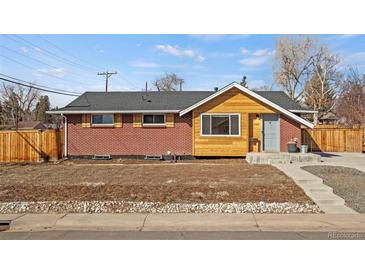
288,129
128,140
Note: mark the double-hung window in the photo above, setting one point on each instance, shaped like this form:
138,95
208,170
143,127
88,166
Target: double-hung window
220,124
154,119
102,119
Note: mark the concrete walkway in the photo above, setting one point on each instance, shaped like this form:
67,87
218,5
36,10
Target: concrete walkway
186,222
313,186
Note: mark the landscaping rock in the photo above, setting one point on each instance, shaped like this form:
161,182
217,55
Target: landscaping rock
151,207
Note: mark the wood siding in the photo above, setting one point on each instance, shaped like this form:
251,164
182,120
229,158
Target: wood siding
333,139
137,120
86,120
232,101
30,145
118,120
255,132
169,120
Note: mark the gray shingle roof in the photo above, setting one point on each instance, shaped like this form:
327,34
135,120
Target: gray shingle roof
153,101
130,101
282,99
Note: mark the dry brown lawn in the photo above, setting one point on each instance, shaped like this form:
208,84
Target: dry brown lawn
223,180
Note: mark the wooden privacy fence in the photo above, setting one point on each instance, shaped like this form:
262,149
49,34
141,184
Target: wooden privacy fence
31,145
334,138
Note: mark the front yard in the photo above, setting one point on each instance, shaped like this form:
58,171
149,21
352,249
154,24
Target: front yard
122,183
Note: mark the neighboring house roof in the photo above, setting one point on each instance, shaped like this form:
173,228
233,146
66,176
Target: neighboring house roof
26,125
174,102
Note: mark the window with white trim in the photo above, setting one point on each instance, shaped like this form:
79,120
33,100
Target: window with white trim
154,119
220,124
102,119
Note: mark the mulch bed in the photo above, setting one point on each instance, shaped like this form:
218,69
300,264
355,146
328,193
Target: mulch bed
348,183
202,181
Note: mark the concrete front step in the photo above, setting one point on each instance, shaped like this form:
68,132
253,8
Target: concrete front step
262,158
308,181
317,188
326,199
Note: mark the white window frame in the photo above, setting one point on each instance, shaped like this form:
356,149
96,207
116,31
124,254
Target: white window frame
220,114
153,124
102,125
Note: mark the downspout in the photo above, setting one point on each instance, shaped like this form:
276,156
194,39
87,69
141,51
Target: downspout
65,136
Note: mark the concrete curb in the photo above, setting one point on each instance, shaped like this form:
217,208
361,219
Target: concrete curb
190,222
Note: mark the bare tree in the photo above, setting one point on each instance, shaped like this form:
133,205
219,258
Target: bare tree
321,89
18,103
293,63
351,102
170,82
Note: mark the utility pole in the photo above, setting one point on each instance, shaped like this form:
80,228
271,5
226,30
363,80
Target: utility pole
107,75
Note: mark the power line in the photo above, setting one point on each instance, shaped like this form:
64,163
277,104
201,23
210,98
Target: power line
67,52
42,72
57,57
35,59
47,52
61,49
28,82
38,88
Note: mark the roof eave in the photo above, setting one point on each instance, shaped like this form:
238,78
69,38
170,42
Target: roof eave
108,111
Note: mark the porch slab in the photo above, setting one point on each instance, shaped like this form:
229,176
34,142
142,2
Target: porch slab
268,158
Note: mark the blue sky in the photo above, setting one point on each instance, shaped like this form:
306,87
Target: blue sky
71,62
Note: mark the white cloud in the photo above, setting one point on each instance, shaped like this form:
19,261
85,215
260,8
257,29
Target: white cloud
244,51
143,64
101,51
59,72
37,49
139,45
200,58
346,36
24,49
258,57
180,52
262,52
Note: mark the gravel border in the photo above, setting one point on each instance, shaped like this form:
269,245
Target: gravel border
150,207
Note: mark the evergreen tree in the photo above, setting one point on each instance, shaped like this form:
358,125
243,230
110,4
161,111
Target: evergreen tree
42,106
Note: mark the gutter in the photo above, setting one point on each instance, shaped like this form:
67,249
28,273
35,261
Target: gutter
108,111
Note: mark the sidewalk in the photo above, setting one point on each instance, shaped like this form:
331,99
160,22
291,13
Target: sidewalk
187,222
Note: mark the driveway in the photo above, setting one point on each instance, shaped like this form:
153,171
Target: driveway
345,159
